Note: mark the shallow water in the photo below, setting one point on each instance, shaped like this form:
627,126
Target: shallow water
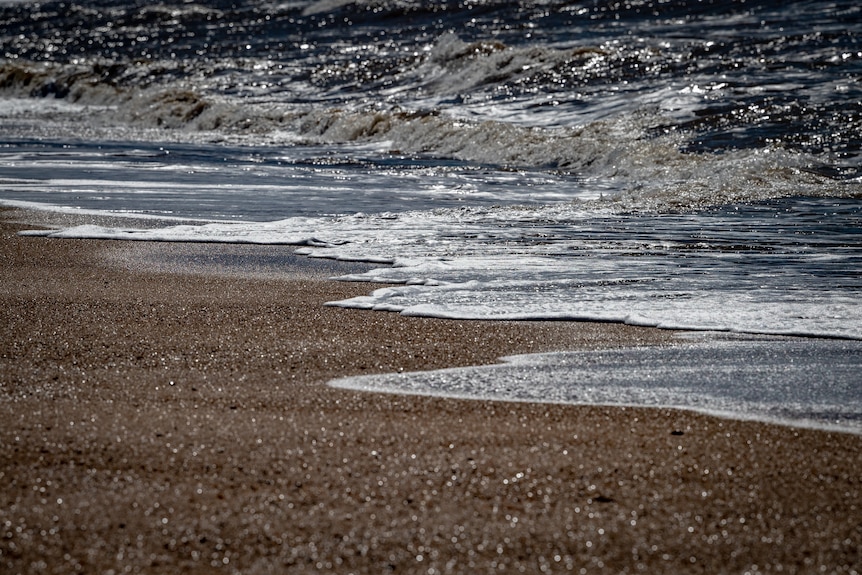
776,380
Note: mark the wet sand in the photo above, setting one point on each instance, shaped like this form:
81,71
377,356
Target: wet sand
164,410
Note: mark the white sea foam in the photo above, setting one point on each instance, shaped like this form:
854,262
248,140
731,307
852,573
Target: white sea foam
568,262
794,382
76,211
17,107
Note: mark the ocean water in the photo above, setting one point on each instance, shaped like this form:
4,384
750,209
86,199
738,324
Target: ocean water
780,380
680,164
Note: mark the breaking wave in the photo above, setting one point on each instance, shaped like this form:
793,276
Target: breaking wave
660,121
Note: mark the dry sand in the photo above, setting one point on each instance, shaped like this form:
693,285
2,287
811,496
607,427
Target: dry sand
161,418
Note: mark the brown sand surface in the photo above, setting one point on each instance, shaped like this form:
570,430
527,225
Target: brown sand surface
156,417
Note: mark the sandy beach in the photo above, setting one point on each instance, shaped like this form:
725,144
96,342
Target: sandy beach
164,410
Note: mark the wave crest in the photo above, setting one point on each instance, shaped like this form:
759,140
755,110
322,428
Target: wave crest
641,163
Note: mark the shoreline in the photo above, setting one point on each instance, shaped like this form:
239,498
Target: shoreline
174,418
